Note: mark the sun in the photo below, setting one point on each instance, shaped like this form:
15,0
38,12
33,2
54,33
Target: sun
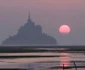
64,29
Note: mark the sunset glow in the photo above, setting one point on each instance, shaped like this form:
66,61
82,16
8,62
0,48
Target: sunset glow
65,59
65,29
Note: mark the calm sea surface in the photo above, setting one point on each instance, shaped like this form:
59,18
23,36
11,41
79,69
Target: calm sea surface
43,63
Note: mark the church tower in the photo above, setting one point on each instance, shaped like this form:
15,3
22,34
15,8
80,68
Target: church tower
29,19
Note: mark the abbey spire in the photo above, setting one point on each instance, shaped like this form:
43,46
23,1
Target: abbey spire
29,18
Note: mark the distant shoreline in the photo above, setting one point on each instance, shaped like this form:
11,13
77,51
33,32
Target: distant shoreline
29,49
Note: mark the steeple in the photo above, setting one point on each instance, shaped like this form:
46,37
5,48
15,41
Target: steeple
29,21
29,18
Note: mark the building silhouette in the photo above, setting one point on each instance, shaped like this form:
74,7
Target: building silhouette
30,35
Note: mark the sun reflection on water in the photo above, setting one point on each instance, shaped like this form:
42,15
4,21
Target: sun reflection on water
65,59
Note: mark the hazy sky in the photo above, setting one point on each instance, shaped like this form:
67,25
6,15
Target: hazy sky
50,14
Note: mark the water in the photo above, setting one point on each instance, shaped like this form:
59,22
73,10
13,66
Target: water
43,63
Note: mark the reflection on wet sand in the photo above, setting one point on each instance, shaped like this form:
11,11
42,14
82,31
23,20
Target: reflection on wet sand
55,62
64,59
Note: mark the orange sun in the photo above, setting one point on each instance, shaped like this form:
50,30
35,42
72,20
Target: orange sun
65,29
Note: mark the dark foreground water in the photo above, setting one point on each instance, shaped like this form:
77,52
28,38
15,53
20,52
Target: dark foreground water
43,63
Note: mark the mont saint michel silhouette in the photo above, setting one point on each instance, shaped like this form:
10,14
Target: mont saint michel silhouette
30,35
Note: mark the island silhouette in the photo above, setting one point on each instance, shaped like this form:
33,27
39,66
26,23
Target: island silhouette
30,35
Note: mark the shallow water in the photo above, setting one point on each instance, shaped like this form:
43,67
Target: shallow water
42,63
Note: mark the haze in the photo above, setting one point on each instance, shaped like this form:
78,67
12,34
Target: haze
50,14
